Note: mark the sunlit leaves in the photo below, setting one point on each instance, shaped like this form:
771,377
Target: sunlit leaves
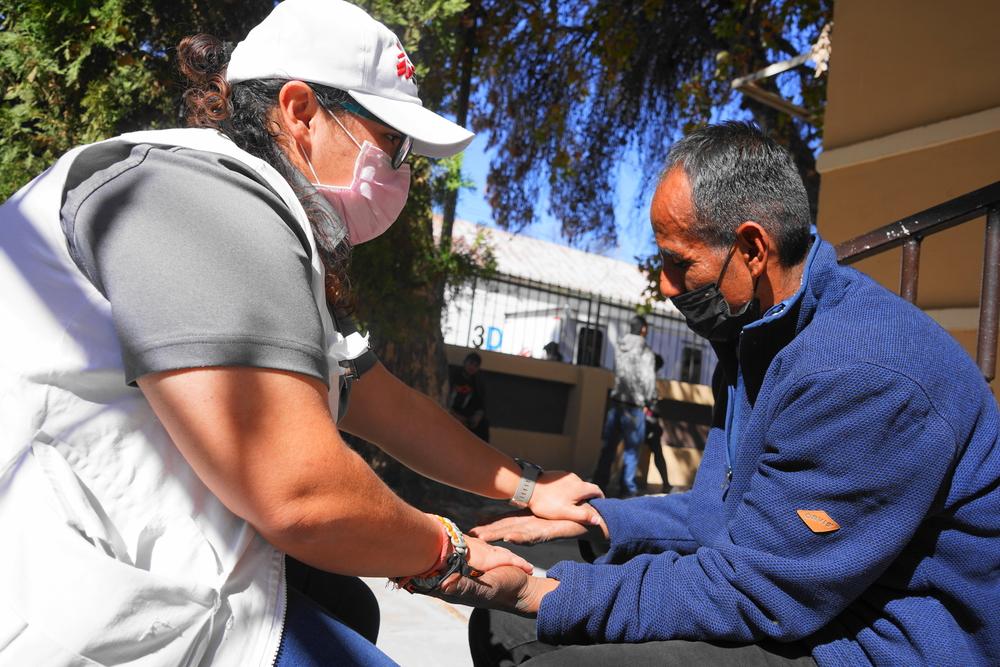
567,91
73,72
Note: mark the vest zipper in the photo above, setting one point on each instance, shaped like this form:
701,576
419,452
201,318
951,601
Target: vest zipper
284,617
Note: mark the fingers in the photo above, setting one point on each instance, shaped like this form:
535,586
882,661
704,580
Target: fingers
584,514
500,588
500,533
493,530
485,557
590,491
529,530
486,533
516,529
560,495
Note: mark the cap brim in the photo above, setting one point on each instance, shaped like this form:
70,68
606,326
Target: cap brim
433,135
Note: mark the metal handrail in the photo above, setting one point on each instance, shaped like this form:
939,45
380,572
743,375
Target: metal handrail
911,230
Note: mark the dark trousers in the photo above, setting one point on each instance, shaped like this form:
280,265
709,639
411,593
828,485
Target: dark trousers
653,436
499,639
482,430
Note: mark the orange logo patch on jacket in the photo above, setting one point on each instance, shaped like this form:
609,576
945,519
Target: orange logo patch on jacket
818,521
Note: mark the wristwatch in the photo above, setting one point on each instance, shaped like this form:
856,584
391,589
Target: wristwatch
529,473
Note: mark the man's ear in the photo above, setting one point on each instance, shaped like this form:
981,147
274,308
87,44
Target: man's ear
297,108
754,243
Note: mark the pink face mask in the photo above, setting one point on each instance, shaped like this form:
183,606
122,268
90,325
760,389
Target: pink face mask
376,195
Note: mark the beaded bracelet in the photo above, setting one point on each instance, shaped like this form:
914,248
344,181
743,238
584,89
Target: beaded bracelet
456,561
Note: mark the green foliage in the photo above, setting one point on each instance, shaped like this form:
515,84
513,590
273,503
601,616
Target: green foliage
567,91
398,277
74,72
449,178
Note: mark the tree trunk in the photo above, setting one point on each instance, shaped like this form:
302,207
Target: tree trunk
399,304
466,54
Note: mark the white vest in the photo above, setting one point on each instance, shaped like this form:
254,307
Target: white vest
112,550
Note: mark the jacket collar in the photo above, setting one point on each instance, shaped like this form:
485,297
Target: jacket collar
763,339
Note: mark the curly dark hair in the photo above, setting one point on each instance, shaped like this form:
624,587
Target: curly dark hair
242,111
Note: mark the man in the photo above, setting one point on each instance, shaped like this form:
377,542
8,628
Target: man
654,434
552,352
634,392
847,507
467,396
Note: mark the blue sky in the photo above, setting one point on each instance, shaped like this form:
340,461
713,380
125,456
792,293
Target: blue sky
634,235
635,238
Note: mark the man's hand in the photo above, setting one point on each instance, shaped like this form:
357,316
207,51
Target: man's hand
524,528
559,494
504,588
483,557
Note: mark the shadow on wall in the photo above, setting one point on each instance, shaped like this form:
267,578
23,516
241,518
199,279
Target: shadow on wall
524,403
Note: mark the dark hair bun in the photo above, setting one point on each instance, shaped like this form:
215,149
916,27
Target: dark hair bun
203,60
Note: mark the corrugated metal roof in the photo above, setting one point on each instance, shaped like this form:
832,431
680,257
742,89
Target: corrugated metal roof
549,263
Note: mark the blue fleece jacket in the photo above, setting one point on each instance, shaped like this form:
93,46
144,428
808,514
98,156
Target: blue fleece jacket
844,399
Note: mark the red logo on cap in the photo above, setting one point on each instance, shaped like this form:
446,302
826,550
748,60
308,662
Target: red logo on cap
404,68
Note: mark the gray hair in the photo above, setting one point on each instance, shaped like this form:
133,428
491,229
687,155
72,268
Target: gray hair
636,324
738,173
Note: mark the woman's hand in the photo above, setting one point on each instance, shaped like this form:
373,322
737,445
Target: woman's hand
561,495
485,557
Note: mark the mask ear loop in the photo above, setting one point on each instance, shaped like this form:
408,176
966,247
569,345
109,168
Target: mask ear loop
308,162
306,157
337,121
725,265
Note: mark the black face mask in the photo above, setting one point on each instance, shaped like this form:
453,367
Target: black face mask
708,314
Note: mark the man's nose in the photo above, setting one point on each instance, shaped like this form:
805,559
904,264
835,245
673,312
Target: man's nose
670,286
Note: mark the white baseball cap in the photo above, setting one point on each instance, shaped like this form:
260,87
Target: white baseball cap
334,43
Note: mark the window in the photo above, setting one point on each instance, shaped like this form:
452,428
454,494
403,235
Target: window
589,346
691,365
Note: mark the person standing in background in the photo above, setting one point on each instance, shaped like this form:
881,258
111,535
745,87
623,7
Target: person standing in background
654,431
634,391
552,352
467,396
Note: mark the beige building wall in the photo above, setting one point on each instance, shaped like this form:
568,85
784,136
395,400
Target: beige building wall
913,120
576,449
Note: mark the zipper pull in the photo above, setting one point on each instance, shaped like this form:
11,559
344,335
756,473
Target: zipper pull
729,478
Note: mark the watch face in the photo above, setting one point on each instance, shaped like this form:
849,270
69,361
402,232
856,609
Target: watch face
528,464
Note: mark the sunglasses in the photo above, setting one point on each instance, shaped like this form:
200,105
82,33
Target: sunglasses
402,151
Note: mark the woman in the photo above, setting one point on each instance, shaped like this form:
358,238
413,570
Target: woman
175,365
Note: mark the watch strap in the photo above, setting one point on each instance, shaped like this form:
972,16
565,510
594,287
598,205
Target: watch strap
526,486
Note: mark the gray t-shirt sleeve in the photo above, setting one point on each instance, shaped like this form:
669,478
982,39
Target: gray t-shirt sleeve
202,262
